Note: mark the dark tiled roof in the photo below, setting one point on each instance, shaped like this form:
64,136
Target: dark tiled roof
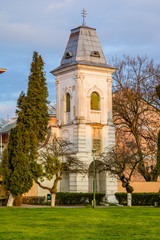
84,48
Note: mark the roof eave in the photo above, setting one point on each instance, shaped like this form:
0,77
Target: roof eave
71,66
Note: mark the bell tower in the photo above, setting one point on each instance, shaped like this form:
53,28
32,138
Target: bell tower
84,105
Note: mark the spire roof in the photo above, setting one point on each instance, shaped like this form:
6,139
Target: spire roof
84,48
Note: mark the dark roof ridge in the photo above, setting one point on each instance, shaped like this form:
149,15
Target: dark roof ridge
82,26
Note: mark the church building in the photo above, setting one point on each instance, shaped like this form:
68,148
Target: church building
84,108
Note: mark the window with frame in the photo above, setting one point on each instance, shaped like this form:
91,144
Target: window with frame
68,102
97,139
95,101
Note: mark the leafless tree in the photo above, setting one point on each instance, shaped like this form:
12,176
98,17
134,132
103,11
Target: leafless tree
121,161
136,109
58,157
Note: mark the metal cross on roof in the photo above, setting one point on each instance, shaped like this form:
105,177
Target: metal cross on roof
84,14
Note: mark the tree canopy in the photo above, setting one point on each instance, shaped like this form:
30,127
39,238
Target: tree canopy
19,162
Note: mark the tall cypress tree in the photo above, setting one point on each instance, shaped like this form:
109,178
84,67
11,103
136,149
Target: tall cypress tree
33,110
19,162
17,175
37,98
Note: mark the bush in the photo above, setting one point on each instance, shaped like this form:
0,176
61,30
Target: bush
139,199
65,198
77,198
33,200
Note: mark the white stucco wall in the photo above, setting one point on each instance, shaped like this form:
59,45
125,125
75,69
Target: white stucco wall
80,82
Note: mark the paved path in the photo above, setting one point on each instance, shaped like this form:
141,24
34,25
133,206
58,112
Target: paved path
46,206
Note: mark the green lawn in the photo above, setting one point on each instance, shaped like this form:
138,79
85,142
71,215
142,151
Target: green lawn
80,223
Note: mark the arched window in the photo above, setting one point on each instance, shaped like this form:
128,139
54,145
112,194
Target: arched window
95,101
67,102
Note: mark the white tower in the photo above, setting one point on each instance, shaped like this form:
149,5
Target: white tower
84,107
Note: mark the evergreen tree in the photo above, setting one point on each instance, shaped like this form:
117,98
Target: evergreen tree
19,162
33,110
37,98
17,175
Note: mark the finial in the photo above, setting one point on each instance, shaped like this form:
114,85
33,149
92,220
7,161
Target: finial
84,14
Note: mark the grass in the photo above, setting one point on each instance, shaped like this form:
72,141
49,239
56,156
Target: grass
80,223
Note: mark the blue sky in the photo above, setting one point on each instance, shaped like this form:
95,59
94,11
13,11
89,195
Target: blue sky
128,27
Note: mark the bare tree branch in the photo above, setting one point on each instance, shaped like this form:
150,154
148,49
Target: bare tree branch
58,157
136,108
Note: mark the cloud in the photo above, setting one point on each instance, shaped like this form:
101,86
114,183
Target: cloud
19,32
123,27
57,5
10,96
7,110
31,34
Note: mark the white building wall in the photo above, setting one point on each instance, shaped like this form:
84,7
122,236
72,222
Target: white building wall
80,82
44,192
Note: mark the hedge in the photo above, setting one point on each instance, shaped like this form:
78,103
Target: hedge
77,198
33,200
140,199
65,198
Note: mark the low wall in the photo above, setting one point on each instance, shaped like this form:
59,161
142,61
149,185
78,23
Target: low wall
141,187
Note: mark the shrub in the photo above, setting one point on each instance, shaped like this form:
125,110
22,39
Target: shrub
33,200
65,198
77,198
139,199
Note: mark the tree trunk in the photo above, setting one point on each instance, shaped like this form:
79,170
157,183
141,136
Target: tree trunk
53,199
10,200
17,201
129,199
129,189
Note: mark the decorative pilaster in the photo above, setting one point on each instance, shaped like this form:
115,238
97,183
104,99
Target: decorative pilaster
109,100
58,101
102,110
79,111
72,182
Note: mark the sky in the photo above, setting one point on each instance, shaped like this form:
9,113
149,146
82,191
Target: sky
130,27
